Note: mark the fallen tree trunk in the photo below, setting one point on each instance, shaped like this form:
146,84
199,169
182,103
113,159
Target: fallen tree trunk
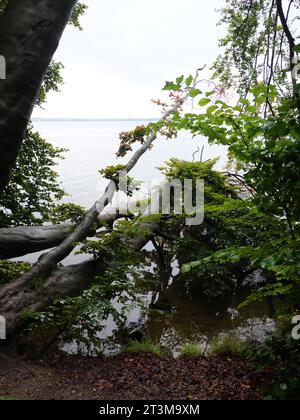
17,298
23,240
21,295
49,260
64,281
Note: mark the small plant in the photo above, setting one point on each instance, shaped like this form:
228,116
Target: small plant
145,346
228,344
190,350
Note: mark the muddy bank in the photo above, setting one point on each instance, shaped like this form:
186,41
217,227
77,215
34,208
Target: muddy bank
126,376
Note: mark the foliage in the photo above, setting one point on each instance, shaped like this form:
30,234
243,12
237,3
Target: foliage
127,139
78,11
281,355
10,271
256,145
33,190
3,4
255,47
145,346
228,221
123,182
82,317
190,350
216,184
34,186
264,156
116,245
267,151
227,345
261,133
67,212
51,82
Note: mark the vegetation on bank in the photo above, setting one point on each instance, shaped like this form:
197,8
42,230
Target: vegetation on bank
144,346
251,208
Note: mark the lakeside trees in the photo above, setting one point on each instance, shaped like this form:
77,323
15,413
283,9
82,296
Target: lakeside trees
262,134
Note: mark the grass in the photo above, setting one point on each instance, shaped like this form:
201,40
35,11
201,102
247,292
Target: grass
145,346
227,345
190,350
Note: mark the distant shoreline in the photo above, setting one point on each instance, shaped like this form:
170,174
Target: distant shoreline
92,119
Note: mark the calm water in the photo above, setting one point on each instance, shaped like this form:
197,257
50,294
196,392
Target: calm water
92,146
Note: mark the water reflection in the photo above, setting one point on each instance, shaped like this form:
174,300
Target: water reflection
172,316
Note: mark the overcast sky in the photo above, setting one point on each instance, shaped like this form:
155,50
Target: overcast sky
127,49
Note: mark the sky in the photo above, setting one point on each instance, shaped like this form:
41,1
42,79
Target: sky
125,53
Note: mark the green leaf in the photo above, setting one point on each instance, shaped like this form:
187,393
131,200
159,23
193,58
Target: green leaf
204,101
211,109
189,81
179,80
194,93
252,109
171,86
210,93
186,268
297,48
268,262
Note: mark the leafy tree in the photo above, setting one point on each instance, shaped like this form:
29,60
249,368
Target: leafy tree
34,187
260,44
261,133
229,221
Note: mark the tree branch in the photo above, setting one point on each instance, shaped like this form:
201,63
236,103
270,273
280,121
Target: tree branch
48,261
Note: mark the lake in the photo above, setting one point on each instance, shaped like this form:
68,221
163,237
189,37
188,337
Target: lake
92,146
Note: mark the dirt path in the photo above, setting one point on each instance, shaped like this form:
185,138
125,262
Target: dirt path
141,376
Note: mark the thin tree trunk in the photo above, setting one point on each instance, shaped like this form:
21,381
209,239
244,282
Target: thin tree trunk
30,31
292,43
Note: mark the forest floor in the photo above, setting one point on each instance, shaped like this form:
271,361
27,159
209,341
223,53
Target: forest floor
128,377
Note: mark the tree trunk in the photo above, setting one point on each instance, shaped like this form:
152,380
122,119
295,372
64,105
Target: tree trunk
30,31
17,297
49,260
23,240
64,281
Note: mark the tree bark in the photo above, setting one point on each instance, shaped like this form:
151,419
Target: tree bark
49,260
17,297
30,31
23,240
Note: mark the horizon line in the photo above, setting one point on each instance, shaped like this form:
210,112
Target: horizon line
93,119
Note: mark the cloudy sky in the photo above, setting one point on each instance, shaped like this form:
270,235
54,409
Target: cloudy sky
127,49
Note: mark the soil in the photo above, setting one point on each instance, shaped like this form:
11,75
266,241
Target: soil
128,377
